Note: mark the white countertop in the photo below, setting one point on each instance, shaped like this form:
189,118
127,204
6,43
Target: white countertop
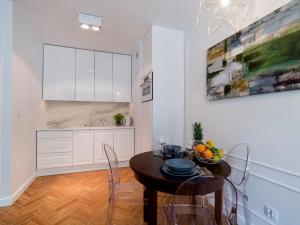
86,128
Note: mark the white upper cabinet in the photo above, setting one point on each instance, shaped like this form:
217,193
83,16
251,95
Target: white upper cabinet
124,144
83,147
59,73
103,77
102,137
121,78
85,75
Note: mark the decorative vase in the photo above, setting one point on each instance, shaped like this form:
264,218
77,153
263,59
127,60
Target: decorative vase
118,123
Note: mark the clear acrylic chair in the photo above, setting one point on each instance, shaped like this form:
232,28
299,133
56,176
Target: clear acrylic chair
238,157
230,200
128,193
188,205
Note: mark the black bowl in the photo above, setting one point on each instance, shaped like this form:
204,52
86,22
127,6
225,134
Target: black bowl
173,148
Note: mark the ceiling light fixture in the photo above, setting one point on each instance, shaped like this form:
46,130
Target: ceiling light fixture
95,28
85,26
90,22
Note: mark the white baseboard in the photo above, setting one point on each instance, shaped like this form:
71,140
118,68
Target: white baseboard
7,201
75,169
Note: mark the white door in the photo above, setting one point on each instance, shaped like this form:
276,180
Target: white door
85,75
83,147
124,143
59,73
121,78
103,77
102,137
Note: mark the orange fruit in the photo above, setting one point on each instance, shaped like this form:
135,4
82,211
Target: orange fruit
208,154
200,148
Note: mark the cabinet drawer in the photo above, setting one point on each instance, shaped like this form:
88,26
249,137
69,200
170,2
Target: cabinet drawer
54,160
54,134
54,145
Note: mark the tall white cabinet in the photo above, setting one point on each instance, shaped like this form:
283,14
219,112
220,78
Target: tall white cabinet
59,73
121,78
86,75
163,52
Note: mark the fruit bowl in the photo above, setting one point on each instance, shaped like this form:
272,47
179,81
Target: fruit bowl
208,153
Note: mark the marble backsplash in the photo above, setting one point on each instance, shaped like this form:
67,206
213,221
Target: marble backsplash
79,114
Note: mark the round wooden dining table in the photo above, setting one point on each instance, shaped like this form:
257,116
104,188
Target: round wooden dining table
147,170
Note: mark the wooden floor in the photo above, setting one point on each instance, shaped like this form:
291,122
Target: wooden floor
72,199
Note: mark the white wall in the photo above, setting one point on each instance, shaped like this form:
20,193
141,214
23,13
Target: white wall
269,123
5,96
26,95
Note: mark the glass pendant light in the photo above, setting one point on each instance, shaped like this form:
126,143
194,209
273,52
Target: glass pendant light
207,19
235,13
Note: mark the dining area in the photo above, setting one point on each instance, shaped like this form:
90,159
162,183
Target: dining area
195,190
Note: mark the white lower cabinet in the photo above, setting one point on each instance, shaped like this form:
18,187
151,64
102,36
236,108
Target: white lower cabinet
54,160
124,144
102,137
83,147
54,149
64,151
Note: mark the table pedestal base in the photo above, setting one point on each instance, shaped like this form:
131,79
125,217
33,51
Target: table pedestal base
150,208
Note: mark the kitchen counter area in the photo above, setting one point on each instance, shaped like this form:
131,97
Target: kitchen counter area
67,150
86,128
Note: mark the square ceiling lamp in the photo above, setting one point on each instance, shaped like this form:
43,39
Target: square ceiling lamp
90,22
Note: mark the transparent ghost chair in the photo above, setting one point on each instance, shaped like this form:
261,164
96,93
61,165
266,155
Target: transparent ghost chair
189,206
238,157
120,193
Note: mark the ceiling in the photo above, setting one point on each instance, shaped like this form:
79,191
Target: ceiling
124,21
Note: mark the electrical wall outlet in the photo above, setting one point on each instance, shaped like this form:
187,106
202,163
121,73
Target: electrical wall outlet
271,213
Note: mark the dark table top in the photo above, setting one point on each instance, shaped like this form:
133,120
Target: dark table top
147,171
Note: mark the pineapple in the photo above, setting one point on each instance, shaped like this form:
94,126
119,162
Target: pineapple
198,133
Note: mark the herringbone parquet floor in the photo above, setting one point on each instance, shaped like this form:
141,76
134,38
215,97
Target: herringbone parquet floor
72,199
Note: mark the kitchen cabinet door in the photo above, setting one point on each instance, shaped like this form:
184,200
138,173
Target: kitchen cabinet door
83,147
85,75
124,143
59,73
121,78
102,137
103,77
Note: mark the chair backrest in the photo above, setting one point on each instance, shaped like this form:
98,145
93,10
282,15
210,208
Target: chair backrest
189,200
112,159
196,186
238,158
230,200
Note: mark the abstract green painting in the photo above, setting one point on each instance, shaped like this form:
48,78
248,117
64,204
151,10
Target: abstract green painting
262,58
